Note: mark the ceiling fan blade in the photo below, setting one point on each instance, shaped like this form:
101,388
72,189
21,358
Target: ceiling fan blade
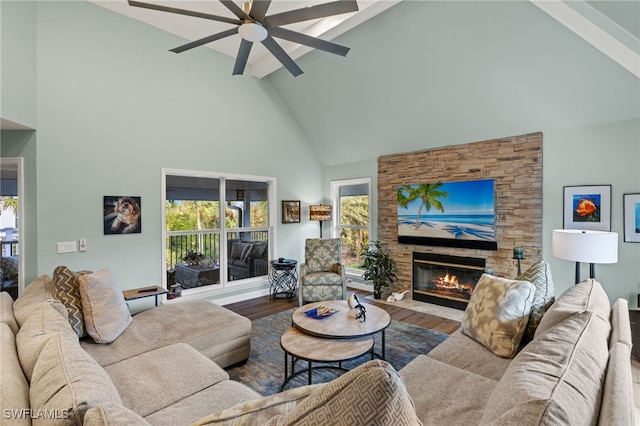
184,12
259,9
282,56
205,40
235,9
314,42
313,12
243,55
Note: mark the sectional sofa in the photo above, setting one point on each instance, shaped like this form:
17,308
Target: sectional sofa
573,368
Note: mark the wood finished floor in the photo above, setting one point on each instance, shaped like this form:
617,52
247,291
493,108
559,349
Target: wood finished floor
263,306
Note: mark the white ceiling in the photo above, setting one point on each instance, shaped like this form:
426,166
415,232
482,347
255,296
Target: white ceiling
604,24
261,62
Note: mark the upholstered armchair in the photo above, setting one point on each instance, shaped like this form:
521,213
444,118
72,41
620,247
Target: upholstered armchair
322,275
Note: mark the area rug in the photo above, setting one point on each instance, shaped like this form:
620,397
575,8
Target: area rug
264,370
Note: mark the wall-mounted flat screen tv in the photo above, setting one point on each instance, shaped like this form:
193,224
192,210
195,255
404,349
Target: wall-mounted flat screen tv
448,214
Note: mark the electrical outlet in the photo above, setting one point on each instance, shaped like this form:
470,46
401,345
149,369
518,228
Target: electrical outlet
66,247
83,244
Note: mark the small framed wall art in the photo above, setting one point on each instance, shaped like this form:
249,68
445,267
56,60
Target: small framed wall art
290,211
587,207
122,215
631,213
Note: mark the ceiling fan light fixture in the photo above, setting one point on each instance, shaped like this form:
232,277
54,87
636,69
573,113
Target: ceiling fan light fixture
252,32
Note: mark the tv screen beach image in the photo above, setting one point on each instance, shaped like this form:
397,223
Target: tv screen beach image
451,210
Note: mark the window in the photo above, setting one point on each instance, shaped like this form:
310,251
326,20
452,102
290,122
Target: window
217,228
352,205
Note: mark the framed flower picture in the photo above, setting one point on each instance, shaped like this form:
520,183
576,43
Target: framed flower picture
631,212
290,211
587,207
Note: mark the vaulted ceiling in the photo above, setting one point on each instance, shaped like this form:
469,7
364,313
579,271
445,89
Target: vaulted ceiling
611,26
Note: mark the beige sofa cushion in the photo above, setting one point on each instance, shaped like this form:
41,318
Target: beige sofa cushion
106,314
446,395
219,334
257,412
47,319
14,389
497,313
555,379
66,288
585,296
171,374
539,274
369,395
6,311
38,291
618,410
67,380
461,351
620,323
110,414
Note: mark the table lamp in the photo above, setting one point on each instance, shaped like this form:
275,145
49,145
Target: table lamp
585,246
320,213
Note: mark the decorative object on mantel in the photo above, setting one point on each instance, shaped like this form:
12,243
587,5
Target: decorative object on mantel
631,209
193,258
253,25
585,246
354,303
518,253
587,207
379,268
321,213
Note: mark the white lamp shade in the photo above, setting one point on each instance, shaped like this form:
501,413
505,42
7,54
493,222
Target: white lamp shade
585,246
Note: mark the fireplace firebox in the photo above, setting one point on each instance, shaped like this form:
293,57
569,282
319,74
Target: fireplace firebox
445,280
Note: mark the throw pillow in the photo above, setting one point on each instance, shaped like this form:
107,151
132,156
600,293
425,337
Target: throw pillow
370,394
257,249
539,274
66,288
237,249
105,310
497,313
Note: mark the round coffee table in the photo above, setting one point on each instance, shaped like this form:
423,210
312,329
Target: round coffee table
301,346
342,324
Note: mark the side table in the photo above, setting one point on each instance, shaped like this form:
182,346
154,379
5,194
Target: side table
139,293
283,279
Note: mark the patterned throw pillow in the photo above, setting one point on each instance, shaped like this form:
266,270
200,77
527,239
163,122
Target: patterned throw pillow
539,274
237,250
497,313
66,288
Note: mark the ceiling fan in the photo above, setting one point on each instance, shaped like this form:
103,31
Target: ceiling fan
253,25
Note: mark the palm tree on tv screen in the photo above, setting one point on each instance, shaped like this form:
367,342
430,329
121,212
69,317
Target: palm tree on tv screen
427,193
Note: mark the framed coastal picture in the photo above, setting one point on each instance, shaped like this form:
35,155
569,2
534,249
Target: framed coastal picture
587,207
448,214
631,205
290,211
122,214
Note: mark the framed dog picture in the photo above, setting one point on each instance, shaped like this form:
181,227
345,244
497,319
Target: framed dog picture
122,215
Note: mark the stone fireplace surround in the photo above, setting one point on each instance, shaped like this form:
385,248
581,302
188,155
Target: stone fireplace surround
515,164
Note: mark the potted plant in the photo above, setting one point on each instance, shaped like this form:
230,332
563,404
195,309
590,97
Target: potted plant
379,268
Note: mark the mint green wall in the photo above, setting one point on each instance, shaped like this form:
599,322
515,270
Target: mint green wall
471,71
114,107
18,56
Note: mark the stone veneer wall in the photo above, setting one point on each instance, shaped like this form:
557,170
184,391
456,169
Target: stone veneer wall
515,164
